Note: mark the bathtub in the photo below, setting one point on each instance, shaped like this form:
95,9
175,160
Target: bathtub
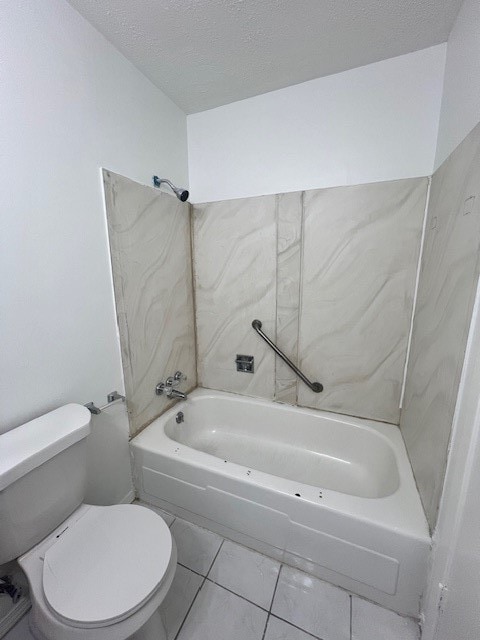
329,494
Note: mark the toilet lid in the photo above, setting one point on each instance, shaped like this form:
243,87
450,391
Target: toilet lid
106,565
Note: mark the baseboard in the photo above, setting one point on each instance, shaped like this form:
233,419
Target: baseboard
10,619
127,499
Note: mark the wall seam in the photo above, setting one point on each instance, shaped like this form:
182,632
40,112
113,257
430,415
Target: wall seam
415,295
194,288
300,285
277,253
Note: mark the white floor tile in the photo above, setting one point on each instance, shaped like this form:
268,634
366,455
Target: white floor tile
280,630
174,608
246,572
166,516
371,622
218,614
196,547
313,605
20,631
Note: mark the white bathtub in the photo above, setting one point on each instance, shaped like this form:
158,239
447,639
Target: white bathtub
330,494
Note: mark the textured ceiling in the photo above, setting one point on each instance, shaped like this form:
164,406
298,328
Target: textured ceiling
205,53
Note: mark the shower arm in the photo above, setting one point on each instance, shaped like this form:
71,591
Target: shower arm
182,194
157,182
316,387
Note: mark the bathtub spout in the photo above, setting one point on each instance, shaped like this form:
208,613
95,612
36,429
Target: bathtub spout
178,394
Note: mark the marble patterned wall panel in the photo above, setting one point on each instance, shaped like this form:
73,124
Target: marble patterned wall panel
149,235
447,286
360,255
289,230
235,244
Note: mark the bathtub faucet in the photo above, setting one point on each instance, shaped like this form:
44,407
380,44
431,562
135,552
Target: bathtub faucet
167,388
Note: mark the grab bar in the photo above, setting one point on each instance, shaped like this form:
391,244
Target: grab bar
314,386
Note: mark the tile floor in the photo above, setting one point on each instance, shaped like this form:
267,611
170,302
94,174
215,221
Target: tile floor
223,591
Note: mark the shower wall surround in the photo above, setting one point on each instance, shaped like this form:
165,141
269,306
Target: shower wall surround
360,256
330,273
235,265
289,259
149,234
448,281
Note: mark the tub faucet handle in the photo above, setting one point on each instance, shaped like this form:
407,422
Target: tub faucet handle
179,377
174,381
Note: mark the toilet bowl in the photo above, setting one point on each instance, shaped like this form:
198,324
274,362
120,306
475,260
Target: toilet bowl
95,573
101,575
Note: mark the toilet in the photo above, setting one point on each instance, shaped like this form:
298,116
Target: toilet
95,573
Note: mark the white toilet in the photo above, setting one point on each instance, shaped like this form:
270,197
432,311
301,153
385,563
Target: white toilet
95,573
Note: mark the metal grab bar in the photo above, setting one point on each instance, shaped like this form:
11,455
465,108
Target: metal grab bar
314,386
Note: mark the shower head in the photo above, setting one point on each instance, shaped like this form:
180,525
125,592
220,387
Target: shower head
182,194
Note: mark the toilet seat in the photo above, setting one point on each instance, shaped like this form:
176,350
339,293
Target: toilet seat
106,565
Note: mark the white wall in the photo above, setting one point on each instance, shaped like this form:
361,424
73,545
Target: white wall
451,601
109,478
455,573
460,111
70,104
373,123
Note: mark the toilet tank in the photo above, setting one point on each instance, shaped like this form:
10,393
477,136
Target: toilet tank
42,477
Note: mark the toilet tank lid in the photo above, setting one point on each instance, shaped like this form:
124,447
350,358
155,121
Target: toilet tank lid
33,443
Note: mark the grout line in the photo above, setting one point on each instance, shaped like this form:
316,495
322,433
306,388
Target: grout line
190,607
192,570
266,625
275,588
273,615
216,555
237,594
